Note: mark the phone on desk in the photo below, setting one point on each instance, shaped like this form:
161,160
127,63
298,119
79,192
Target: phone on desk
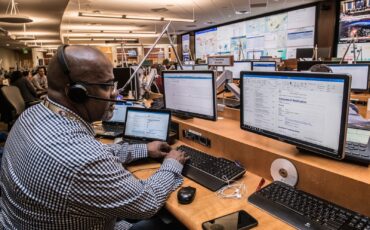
235,221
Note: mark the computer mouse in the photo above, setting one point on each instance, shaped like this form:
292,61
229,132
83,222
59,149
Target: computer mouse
186,195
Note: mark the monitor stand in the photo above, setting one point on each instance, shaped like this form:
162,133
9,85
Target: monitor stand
182,116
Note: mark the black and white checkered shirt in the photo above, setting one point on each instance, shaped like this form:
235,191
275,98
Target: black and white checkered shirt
55,175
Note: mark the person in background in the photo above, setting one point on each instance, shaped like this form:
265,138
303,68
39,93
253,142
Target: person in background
40,81
20,80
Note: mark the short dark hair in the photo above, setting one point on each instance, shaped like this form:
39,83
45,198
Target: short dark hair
321,68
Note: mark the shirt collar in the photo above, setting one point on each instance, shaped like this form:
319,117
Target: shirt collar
67,113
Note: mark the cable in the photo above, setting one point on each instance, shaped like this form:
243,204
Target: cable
237,190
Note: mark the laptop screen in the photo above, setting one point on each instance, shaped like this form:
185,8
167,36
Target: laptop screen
147,124
119,113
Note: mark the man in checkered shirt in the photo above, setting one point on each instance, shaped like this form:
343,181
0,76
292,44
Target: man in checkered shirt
55,175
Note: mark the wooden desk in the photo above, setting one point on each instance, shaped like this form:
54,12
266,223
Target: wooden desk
207,205
339,182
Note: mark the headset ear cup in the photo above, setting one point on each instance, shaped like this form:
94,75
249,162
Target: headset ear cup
77,93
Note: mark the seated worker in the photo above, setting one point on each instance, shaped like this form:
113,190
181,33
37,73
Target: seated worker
40,81
56,175
28,92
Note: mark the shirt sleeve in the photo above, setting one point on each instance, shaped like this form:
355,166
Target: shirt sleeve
103,188
127,153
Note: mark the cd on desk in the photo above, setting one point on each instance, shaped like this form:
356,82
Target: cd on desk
284,171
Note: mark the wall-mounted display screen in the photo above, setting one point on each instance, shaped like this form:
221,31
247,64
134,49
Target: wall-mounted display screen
354,25
185,47
277,35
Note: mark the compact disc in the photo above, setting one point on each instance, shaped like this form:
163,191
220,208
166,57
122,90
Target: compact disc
284,171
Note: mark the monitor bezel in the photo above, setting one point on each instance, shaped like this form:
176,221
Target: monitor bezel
252,65
358,64
164,111
302,144
198,115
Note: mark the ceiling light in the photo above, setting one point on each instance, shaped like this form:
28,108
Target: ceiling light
142,18
98,15
102,39
179,20
133,17
24,36
112,31
12,14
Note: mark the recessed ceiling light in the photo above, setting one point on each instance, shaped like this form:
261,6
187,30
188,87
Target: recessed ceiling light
7,44
242,12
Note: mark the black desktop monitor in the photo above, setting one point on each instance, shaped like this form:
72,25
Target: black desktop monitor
308,110
190,93
264,66
304,53
238,67
122,75
359,73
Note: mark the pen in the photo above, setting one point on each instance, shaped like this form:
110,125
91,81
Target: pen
262,182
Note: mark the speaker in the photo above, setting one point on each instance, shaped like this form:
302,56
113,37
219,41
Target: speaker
76,92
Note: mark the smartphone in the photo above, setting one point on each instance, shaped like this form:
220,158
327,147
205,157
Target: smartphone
235,221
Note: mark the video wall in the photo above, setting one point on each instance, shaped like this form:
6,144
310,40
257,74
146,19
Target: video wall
277,35
354,25
185,39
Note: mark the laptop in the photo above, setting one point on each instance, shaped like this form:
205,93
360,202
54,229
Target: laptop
146,125
114,127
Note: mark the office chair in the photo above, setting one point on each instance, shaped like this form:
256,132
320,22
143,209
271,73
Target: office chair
15,104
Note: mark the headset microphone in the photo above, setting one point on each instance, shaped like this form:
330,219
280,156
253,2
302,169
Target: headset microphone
104,99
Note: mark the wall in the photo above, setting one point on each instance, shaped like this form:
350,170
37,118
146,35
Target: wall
326,24
8,57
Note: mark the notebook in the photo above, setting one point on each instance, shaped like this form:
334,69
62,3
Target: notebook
146,125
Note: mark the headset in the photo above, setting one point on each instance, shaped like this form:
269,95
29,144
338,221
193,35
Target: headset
76,91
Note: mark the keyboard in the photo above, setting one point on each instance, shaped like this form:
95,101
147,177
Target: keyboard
306,211
209,171
357,153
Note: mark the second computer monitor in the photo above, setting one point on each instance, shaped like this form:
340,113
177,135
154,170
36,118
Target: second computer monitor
359,73
238,67
264,66
190,93
308,110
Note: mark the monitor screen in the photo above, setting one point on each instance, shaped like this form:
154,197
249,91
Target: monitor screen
359,73
264,66
238,67
119,113
147,124
185,67
190,93
308,110
304,53
200,67
122,75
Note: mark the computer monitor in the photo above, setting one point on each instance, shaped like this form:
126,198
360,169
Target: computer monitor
147,124
308,110
359,73
122,75
238,67
190,93
264,66
185,67
201,67
119,113
304,53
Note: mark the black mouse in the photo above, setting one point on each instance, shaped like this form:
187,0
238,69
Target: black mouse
186,195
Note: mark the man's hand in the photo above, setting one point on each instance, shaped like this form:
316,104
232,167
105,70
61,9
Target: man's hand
158,149
180,156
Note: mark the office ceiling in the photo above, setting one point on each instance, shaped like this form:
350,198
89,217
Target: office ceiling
58,20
